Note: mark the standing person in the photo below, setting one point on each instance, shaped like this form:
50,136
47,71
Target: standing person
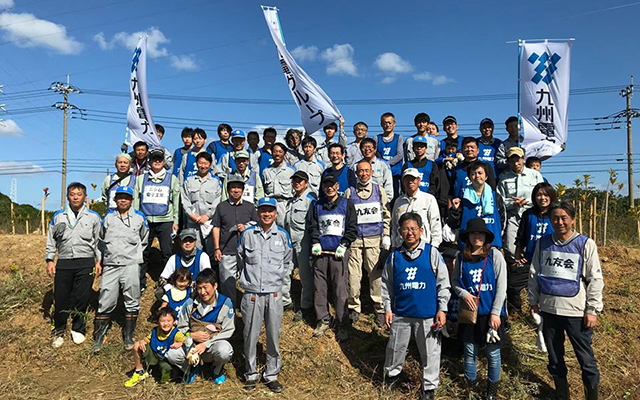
265,253
353,153
381,172
219,148
187,140
416,201
263,157
480,280
422,122
122,177
332,226
200,196
74,235
373,219
231,218
512,141
568,296
460,176
415,292
253,189
228,162
292,139
253,140
189,164
123,237
168,161
487,144
344,174
428,169
295,223
189,257
157,195
535,223
450,127
390,147
139,155
310,164
277,180
329,135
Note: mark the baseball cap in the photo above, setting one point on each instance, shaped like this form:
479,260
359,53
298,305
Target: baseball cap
515,151
238,133
267,201
420,139
124,190
329,178
449,118
241,154
234,179
411,172
301,175
486,121
189,232
156,153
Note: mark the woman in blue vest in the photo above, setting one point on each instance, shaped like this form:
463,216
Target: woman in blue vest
480,281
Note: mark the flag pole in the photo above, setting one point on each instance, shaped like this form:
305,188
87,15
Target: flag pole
520,42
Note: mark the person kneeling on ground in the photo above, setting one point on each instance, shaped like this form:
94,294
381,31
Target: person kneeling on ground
160,348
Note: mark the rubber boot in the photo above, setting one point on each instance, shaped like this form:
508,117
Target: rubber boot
591,393
129,329
100,328
492,390
472,388
562,388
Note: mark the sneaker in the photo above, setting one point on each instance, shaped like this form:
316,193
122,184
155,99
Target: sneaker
343,333
77,337
191,375
323,326
57,341
220,379
136,378
250,384
274,386
380,321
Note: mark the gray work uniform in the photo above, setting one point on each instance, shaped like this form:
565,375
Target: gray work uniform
381,174
263,259
122,243
109,186
295,224
73,236
200,196
277,184
352,154
403,327
322,150
314,169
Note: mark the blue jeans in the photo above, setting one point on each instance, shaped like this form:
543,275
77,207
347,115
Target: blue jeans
492,351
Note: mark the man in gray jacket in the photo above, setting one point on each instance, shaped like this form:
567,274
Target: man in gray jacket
123,238
74,235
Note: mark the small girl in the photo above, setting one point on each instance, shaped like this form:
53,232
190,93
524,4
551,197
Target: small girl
180,291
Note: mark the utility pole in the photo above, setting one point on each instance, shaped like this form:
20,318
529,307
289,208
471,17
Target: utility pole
64,89
628,94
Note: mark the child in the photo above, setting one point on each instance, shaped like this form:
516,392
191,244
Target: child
179,291
535,164
451,156
189,256
155,349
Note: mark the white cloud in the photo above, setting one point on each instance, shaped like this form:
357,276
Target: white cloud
427,76
18,166
392,63
339,60
441,80
305,53
423,76
184,62
6,4
10,128
28,31
389,79
155,42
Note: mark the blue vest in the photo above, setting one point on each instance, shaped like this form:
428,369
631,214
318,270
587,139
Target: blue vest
211,316
368,212
487,153
155,209
345,179
177,161
561,266
218,149
177,305
425,181
264,160
112,189
462,181
387,151
191,166
415,292
470,211
536,227
443,145
331,224
161,347
194,268
470,275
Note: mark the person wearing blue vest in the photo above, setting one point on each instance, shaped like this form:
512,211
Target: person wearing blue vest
180,291
187,140
208,322
429,171
535,223
390,147
164,339
487,144
122,177
157,195
332,227
189,163
189,257
345,176
123,239
478,201
460,175
263,157
415,292
219,148
450,127
277,180
479,279
264,254
253,188
565,288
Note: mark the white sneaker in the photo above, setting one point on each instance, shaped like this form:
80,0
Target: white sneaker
57,342
77,337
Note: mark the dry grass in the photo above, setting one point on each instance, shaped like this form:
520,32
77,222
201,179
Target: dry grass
311,368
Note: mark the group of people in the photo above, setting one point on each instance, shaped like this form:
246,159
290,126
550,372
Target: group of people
448,232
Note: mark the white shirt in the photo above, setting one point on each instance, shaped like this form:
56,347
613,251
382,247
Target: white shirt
423,204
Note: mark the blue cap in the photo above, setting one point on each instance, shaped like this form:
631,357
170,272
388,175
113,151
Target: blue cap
238,133
267,201
487,121
125,190
420,139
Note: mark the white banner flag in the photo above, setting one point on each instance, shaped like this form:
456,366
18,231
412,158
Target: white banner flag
544,96
316,108
139,120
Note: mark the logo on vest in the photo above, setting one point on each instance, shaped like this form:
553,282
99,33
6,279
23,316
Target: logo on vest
487,152
411,273
476,275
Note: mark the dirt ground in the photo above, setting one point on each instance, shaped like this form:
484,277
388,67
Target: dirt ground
311,369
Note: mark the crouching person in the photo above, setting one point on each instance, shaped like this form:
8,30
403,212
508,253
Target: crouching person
264,253
164,341
209,322
123,238
415,292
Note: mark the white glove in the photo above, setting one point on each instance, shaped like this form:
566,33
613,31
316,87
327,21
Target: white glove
492,336
537,318
316,249
386,243
340,251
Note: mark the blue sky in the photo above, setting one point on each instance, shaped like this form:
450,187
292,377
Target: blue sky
353,49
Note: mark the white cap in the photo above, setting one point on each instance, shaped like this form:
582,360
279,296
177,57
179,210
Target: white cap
411,172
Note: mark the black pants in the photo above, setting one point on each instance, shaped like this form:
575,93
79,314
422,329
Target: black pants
553,329
72,289
161,230
397,188
517,279
331,275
